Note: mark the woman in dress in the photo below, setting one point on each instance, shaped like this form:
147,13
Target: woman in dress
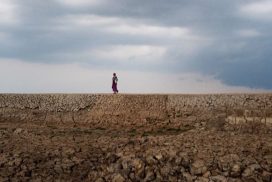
114,83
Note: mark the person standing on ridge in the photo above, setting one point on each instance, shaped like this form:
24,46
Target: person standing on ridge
114,83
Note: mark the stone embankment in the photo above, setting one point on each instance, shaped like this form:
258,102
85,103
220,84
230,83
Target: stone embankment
100,137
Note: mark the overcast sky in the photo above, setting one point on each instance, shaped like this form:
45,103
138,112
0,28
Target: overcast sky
154,46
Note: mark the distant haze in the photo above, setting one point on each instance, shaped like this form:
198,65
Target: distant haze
154,46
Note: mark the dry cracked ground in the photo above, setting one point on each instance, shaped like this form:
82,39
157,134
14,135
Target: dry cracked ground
33,152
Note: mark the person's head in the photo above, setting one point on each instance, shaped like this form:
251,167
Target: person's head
114,74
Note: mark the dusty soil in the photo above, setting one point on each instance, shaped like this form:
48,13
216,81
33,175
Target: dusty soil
33,152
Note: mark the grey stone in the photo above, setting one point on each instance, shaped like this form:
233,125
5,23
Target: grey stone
118,178
150,176
18,130
198,167
151,160
235,170
219,178
247,172
187,176
159,156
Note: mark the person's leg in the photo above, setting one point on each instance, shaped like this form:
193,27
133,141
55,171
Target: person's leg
113,88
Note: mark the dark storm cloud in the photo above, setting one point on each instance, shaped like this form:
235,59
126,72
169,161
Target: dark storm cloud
248,63
226,38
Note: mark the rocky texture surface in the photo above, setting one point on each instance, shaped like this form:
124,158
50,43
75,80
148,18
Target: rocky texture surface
136,137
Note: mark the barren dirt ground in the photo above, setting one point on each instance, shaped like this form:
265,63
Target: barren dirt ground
31,152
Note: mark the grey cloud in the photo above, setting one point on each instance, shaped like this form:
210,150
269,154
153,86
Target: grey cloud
236,60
